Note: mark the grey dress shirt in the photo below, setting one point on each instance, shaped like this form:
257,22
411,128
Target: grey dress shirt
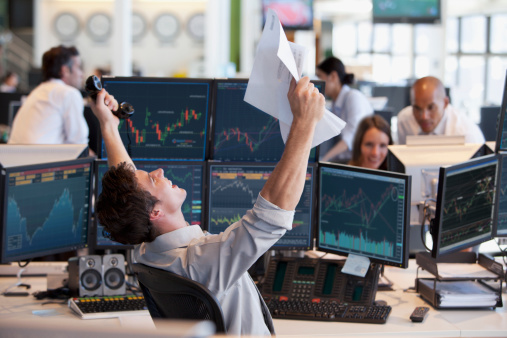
220,262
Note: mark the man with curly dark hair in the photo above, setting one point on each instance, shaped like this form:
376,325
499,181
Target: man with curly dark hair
144,209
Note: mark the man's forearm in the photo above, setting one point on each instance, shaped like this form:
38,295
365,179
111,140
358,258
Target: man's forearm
116,152
285,185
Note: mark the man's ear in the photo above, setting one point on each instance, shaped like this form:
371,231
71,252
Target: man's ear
446,101
156,214
64,71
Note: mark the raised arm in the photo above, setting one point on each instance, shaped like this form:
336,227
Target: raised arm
285,185
102,107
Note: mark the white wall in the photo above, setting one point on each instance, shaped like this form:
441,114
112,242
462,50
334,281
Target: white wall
149,54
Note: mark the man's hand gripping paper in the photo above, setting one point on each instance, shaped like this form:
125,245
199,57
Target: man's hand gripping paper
276,62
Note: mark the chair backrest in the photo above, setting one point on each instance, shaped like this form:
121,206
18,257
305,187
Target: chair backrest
169,295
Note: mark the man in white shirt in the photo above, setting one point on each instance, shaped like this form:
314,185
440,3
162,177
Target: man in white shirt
144,209
53,112
432,114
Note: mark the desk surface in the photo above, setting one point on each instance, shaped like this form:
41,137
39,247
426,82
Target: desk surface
441,323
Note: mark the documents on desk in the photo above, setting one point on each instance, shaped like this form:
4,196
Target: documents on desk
462,294
276,61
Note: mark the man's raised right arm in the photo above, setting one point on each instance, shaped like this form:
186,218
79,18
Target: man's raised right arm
102,108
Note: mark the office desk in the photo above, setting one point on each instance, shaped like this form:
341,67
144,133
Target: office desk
438,323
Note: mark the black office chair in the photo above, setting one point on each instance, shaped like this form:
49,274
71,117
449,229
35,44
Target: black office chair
169,295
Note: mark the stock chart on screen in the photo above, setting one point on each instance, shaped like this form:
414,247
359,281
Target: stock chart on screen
233,189
170,120
466,204
47,209
243,132
363,212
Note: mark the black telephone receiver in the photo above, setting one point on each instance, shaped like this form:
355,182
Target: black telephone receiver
93,86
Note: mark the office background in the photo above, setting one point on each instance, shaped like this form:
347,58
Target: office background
217,38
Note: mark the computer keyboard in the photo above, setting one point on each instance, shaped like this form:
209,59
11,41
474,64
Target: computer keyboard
108,307
328,311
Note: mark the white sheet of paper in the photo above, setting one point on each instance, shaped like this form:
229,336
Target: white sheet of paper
356,265
277,60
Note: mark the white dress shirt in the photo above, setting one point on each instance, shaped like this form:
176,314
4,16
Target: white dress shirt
453,123
351,106
220,262
51,114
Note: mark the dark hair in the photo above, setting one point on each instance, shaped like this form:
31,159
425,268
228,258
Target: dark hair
373,121
334,64
124,208
54,59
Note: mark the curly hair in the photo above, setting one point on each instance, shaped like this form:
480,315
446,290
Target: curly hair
54,59
373,121
124,208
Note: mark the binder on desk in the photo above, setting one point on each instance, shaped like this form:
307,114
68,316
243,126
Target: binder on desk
461,294
477,286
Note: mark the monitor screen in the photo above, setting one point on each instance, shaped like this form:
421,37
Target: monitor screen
242,132
188,175
465,207
364,212
171,116
293,14
233,189
45,209
501,193
501,138
403,11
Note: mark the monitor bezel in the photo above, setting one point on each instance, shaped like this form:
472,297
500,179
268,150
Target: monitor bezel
268,164
406,204
501,157
94,235
501,119
309,26
142,79
212,135
408,19
436,222
3,199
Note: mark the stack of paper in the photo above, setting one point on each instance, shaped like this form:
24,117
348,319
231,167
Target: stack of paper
463,293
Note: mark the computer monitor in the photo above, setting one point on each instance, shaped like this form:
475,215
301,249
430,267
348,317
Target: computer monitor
188,175
241,132
233,189
501,193
13,110
501,137
364,212
171,116
465,210
423,163
45,208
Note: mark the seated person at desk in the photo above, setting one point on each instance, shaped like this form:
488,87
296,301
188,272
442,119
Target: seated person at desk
372,137
53,111
141,208
432,114
348,104
9,83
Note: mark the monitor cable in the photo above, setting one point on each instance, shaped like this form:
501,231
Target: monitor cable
426,217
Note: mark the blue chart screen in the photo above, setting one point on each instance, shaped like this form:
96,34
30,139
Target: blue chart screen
234,189
243,132
502,200
361,213
188,177
170,118
469,195
47,210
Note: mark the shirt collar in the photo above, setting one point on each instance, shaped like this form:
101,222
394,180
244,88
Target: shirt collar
341,97
175,239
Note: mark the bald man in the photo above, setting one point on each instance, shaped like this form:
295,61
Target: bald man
432,114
